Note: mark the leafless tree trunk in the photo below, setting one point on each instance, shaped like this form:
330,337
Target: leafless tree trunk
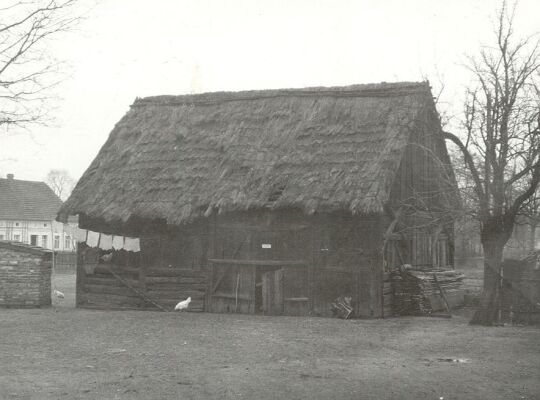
501,145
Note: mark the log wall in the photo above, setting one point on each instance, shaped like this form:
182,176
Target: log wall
314,260
130,281
348,262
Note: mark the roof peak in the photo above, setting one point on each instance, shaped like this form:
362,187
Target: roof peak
383,89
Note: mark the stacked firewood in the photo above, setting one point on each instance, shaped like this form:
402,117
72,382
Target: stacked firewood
413,289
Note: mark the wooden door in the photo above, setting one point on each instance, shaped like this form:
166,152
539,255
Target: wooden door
254,265
272,292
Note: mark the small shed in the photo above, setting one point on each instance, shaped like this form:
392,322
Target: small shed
25,275
274,201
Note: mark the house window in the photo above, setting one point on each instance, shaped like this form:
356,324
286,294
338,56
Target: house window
17,238
44,241
16,224
56,241
33,240
1,237
45,225
67,243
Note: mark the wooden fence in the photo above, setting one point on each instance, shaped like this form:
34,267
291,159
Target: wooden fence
65,262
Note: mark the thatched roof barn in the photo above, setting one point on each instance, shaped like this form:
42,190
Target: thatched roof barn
314,158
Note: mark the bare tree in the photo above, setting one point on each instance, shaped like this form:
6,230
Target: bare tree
27,69
60,182
500,145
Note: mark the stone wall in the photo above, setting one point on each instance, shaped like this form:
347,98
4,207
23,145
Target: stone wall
25,276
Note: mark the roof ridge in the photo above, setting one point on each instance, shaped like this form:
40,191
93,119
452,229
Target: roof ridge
382,89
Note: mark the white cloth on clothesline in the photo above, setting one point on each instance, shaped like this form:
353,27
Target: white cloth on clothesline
105,242
80,235
132,244
93,239
118,242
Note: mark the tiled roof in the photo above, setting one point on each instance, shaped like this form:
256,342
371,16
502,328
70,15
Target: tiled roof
27,200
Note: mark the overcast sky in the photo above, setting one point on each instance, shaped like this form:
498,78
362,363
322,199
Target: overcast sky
135,48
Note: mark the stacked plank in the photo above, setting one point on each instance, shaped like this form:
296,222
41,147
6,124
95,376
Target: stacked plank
417,292
100,289
167,286
114,286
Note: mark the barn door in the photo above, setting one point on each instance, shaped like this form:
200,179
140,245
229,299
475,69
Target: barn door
272,292
259,268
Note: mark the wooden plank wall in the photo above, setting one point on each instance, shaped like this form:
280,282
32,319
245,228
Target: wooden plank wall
98,287
343,255
420,174
240,236
241,297
136,280
348,262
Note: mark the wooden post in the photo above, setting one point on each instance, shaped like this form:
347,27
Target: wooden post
210,265
236,289
357,292
442,294
311,273
142,274
253,306
79,275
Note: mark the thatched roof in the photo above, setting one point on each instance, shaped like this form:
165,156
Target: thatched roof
176,158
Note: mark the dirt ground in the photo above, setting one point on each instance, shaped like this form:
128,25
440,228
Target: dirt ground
67,353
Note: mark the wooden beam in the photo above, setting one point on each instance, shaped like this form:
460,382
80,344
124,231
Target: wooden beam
210,266
80,275
442,294
263,263
218,281
231,296
137,291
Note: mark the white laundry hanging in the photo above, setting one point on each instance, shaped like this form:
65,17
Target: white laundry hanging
132,244
80,235
118,242
105,243
93,239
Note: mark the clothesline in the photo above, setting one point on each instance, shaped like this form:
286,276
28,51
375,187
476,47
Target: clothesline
108,242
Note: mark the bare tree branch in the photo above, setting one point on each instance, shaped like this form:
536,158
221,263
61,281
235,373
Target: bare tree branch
27,68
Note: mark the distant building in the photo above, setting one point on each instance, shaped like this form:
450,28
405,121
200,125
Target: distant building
27,214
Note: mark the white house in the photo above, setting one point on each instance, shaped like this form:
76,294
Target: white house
27,214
